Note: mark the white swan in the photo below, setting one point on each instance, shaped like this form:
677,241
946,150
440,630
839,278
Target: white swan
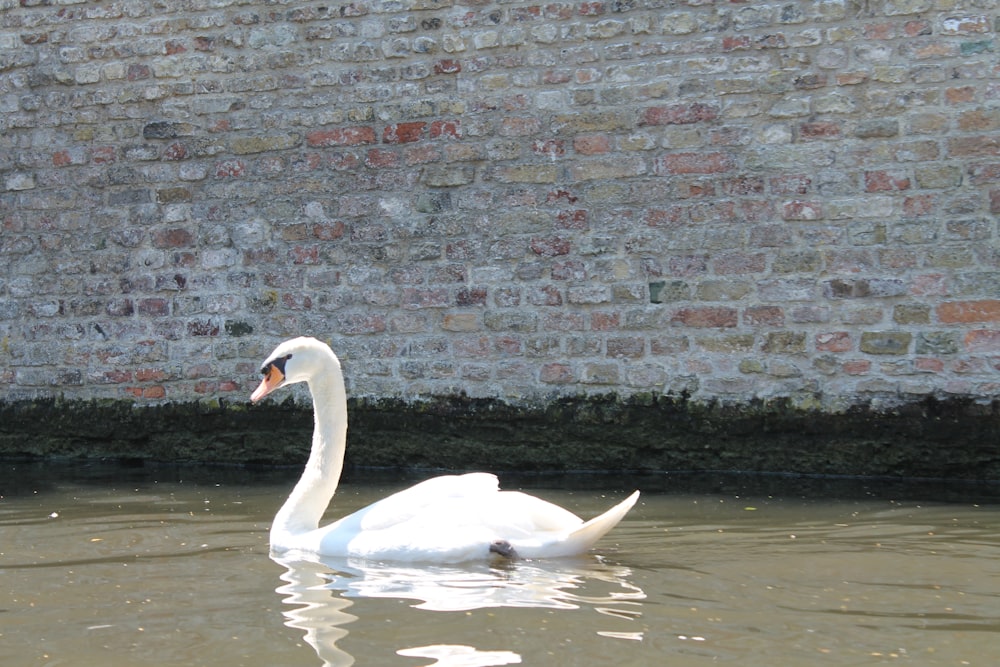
446,519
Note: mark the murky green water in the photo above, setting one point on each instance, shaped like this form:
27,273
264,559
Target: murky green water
171,567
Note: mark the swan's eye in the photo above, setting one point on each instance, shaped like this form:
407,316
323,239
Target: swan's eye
279,364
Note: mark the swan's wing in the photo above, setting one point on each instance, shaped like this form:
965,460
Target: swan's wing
429,499
513,514
456,518
577,539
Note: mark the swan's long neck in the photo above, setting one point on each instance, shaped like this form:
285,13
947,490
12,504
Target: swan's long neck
311,495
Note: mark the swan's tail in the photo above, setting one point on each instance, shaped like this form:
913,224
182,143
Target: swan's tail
582,538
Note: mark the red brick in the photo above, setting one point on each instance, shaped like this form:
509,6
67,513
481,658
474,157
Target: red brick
982,340
154,307
549,147
819,130
508,346
964,312
136,72
150,375
670,217
103,155
154,392
305,255
802,210
960,94
858,367
928,364
69,156
403,133
173,238
600,321
556,374
733,43
120,308
447,66
592,145
931,284
569,269
379,158
293,301
230,169
769,316
879,31
551,246
917,27
471,296
116,376
920,205
328,231
446,128
574,219
175,151
886,181
706,317
835,341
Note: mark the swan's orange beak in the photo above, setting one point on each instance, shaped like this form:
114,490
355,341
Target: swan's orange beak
273,377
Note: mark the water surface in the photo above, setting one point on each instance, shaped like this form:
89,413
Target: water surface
170,567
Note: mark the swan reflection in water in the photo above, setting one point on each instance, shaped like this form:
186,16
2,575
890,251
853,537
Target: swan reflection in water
319,590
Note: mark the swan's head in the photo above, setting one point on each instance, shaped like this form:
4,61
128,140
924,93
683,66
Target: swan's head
295,360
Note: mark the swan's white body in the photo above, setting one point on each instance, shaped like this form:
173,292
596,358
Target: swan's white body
446,519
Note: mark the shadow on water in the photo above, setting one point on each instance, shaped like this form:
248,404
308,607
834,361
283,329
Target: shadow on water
320,590
34,477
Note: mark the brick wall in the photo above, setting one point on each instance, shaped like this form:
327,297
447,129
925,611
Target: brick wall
509,199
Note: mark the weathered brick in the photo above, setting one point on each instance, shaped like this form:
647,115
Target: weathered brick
630,348
706,316
982,340
693,163
885,342
678,114
346,136
764,316
784,342
966,312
